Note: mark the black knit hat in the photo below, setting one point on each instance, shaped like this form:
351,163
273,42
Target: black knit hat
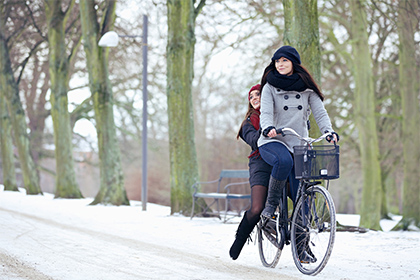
288,52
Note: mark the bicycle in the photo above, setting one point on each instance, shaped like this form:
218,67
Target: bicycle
311,228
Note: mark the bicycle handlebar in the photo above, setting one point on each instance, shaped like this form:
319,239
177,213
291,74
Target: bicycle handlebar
308,140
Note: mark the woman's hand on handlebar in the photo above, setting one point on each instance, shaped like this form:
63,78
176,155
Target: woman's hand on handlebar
270,132
333,137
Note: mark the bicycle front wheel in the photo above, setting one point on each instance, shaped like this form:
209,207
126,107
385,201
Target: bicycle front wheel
313,233
268,247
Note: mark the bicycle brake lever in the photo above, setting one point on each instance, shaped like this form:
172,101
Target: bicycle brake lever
329,138
280,131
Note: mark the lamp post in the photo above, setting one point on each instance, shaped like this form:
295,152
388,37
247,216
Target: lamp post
110,39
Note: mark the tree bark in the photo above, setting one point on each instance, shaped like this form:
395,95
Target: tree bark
302,32
289,22
6,145
65,180
305,34
409,87
364,106
112,180
11,93
180,66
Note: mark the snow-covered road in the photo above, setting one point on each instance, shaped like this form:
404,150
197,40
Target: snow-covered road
46,238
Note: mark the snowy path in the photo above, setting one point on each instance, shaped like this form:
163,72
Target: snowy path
46,238
40,248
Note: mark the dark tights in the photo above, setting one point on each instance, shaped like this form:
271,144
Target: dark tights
258,197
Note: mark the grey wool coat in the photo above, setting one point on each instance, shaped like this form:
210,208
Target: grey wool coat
291,109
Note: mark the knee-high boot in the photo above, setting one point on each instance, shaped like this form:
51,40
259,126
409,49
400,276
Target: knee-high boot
303,250
242,234
275,190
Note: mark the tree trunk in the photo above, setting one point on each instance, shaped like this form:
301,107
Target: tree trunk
17,114
392,195
112,180
65,179
364,106
289,22
306,35
302,32
409,88
180,65
6,145
384,204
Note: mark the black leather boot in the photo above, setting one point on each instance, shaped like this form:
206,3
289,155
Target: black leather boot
275,190
242,234
304,252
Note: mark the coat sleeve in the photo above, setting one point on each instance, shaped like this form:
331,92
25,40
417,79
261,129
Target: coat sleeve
320,113
267,108
250,135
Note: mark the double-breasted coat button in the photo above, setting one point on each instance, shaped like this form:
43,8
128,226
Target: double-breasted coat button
278,89
300,107
286,97
297,96
285,108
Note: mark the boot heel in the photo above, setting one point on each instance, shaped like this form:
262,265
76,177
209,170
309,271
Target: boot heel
242,234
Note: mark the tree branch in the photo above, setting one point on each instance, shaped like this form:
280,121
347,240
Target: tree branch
67,11
34,22
109,16
198,9
24,62
73,50
81,111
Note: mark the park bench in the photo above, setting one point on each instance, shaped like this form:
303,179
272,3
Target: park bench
222,192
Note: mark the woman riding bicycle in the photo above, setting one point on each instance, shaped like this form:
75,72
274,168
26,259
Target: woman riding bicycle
259,171
289,93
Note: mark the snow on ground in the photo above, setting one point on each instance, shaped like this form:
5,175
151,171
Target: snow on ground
46,238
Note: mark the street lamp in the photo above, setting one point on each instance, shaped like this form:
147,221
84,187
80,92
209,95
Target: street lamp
110,39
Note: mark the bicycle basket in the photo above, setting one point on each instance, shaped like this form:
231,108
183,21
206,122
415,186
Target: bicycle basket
317,162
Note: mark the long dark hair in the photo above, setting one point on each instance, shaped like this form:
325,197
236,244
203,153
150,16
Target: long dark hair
298,69
248,114
267,70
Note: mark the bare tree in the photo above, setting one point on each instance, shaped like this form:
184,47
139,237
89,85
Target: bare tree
10,89
112,180
182,15
364,104
6,147
66,185
409,88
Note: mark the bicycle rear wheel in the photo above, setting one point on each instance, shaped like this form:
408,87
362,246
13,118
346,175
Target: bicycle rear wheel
314,232
268,245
